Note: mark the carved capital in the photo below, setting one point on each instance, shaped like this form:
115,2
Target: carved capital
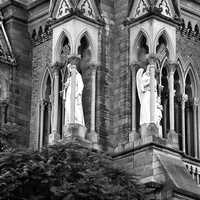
56,67
43,103
135,66
152,59
196,101
184,98
172,67
93,67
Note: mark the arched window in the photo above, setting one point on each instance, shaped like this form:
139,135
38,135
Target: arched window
65,50
165,101
46,110
163,55
142,49
84,50
178,107
189,114
141,54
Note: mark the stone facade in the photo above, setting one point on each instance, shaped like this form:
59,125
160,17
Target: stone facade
103,39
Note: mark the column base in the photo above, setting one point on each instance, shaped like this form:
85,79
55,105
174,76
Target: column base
149,130
149,134
172,139
93,137
75,130
53,138
80,134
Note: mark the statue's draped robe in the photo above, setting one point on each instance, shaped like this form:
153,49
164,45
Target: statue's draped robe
79,117
143,88
144,94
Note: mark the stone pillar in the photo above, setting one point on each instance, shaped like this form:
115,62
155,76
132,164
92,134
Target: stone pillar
172,135
187,109
152,90
93,98
133,68
184,99
198,133
42,107
56,92
92,136
171,95
195,108
73,90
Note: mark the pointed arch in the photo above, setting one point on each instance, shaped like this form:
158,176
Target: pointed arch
85,33
194,78
134,47
62,36
171,48
180,71
45,76
191,75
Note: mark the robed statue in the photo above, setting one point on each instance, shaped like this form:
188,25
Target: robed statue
72,96
144,94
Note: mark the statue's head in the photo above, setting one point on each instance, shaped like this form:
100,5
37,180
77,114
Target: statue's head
70,67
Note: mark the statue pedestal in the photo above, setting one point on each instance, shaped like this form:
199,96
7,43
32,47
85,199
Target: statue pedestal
76,132
172,140
53,138
150,133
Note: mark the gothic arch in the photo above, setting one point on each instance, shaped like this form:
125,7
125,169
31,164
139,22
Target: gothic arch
45,76
170,47
57,51
180,73
90,41
194,78
141,33
45,108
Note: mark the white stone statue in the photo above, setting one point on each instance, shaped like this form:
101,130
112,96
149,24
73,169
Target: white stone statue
143,89
72,95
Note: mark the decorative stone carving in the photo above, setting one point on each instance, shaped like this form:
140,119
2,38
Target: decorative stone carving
141,9
143,88
73,97
64,9
86,8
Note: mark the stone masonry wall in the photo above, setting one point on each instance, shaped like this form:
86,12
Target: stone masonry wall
15,22
188,48
121,76
42,55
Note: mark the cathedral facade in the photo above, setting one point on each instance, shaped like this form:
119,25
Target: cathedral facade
123,76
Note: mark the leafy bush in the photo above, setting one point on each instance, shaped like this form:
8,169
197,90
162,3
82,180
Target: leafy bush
8,135
64,172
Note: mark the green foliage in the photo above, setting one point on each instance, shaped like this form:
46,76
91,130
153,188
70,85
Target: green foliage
8,135
64,172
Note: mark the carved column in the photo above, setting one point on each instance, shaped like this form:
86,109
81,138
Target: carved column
92,136
42,107
184,99
198,133
133,68
195,108
56,91
152,62
93,98
172,135
73,90
188,125
171,95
